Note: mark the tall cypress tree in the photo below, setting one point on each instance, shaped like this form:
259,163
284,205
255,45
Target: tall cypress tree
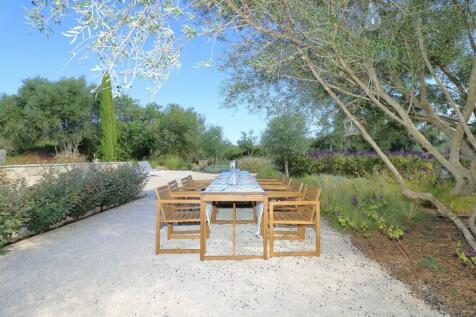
108,121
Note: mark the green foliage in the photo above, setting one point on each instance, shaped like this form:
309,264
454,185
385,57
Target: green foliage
45,112
179,132
247,142
467,260
13,207
212,143
366,204
215,169
412,167
443,191
63,118
135,126
174,162
255,164
75,192
285,137
108,121
262,166
432,264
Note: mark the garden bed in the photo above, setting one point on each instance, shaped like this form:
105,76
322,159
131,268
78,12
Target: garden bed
427,262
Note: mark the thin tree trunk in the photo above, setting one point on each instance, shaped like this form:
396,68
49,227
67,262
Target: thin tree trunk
286,168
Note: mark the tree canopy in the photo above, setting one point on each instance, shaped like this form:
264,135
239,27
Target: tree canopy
45,112
286,136
64,115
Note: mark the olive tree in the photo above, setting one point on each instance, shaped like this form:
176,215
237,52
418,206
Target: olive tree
126,39
285,137
418,69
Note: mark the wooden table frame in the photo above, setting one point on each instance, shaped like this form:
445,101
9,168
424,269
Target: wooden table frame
232,197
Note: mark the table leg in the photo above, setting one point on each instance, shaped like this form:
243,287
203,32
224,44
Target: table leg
264,223
234,228
203,223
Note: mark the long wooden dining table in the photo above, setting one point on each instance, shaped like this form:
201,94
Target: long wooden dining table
220,191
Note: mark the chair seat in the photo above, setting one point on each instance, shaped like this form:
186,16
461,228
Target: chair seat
289,217
181,216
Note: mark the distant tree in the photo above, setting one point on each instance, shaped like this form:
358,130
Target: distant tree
45,112
135,126
213,144
285,137
180,132
247,142
108,121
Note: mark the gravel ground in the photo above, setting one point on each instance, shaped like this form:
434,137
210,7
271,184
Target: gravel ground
105,265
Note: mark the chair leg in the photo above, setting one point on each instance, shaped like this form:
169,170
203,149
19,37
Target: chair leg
214,214
271,237
170,230
318,237
157,235
301,232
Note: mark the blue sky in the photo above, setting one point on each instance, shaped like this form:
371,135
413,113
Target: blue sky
26,53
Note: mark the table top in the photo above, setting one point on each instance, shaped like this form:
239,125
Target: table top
247,183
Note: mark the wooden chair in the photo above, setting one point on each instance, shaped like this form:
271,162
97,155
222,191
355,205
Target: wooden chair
301,213
272,181
173,186
186,180
297,186
189,184
174,211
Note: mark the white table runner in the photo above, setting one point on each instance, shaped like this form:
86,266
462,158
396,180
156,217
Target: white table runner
247,183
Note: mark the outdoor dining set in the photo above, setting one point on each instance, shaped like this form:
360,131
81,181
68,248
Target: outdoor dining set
282,208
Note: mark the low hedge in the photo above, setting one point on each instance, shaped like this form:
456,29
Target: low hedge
71,194
361,164
13,207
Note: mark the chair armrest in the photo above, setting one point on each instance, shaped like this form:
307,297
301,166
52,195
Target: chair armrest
178,201
185,194
294,203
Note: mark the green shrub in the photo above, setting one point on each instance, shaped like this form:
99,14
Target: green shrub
268,173
13,207
75,192
173,162
366,204
255,164
215,169
411,167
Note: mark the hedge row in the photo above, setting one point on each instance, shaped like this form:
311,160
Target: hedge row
67,195
361,165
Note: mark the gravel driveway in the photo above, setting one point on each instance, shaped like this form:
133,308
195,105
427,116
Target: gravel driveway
105,265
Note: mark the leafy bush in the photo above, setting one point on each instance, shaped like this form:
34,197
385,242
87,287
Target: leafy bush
215,169
43,158
263,166
173,162
366,204
255,164
13,207
360,164
75,192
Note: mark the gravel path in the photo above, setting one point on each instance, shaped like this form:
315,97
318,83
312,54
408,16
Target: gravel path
105,265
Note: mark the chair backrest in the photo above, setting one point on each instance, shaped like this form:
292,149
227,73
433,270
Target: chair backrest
186,180
162,192
312,193
145,166
297,186
173,185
